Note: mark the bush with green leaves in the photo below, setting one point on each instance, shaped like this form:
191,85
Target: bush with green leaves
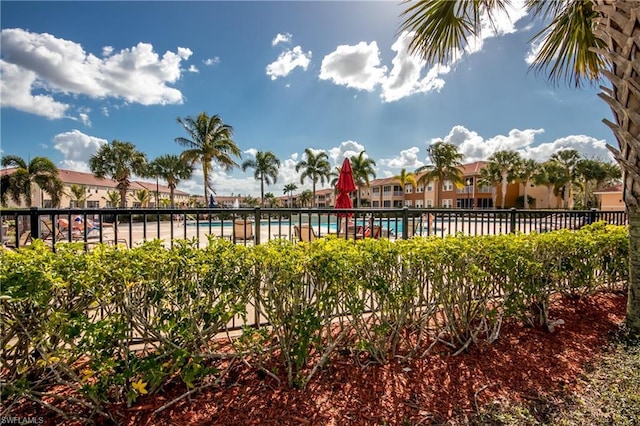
114,324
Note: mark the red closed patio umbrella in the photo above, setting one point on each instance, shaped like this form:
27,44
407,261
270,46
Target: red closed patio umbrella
344,186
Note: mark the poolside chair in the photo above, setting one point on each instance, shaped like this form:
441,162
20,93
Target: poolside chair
243,230
24,240
50,231
305,233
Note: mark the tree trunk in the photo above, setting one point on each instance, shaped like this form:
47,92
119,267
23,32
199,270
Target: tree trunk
123,198
567,192
504,190
525,192
619,28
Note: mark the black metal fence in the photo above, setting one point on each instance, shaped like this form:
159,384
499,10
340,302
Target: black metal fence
257,225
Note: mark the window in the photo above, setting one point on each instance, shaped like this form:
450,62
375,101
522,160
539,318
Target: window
408,189
408,203
420,189
93,204
386,203
447,203
376,190
429,204
397,190
430,187
375,204
447,185
419,204
397,203
386,189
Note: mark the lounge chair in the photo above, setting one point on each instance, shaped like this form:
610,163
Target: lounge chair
242,230
24,240
49,231
305,233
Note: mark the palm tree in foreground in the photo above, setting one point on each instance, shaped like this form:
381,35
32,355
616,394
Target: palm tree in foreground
445,160
209,140
118,161
266,166
315,167
584,40
18,184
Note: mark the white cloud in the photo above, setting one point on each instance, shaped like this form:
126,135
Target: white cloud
356,66
76,148
251,151
16,84
288,61
359,67
474,147
281,38
43,62
85,119
212,61
405,76
346,149
407,159
193,68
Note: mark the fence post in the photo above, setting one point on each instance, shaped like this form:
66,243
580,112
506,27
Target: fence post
405,222
35,223
258,215
593,216
514,212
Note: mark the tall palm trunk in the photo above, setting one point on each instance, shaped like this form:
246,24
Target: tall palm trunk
619,27
566,193
505,182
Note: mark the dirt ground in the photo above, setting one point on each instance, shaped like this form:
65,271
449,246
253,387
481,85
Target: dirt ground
524,364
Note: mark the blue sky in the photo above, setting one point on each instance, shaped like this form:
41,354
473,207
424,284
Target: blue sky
332,76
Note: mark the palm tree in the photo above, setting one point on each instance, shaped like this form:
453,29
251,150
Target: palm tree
266,166
507,164
18,185
172,169
306,197
143,197
583,40
315,167
567,160
112,198
445,160
118,161
209,140
550,175
79,194
269,199
528,169
290,188
405,179
490,177
363,169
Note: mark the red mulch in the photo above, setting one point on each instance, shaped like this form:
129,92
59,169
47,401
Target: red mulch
524,364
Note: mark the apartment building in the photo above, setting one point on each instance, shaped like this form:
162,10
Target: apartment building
97,192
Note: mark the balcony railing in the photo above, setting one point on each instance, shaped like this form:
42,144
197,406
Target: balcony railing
130,227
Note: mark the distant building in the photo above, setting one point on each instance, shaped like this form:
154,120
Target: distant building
97,192
611,198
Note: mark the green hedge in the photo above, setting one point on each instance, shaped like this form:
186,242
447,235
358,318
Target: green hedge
114,324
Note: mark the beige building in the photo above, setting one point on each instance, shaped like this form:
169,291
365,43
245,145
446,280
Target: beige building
611,198
97,192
